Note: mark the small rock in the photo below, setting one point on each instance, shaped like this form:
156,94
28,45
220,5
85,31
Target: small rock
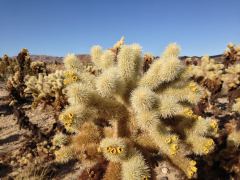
12,163
29,155
165,170
164,178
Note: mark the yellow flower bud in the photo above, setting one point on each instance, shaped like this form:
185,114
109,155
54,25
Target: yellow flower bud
168,140
194,169
174,138
119,150
193,163
109,149
113,151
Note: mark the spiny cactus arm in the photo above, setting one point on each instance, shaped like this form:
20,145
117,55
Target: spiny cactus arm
102,59
196,130
82,146
80,93
133,163
172,50
88,133
74,116
114,149
143,141
135,167
118,44
169,106
130,63
107,59
65,154
109,83
200,145
73,76
60,140
191,93
162,71
96,54
187,165
148,115
113,171
170,145
87,153
143,99
71,62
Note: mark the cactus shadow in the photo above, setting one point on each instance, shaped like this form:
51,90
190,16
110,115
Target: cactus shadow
9,139
5,109
4,170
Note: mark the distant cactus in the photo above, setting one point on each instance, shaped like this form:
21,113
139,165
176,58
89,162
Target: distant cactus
125,116
231,78
38,67
16,70
47,89
232,53
208,69
7,67
208,74
15,82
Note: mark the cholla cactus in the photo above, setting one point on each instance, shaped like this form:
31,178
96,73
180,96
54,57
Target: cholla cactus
15,83
7,66
231,78
208,69
232,53
208,74
127,115
118,45
191,61
38,67
47,89
93,70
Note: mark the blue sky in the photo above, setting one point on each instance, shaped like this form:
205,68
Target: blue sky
58,27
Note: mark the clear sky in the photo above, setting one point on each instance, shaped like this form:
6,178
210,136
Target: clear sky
58,27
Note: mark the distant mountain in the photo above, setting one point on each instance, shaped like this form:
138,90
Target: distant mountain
50,59
87,58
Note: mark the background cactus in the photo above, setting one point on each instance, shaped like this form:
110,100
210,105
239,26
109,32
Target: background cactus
231,78
207,73
208,69
7,67
47,89
125,106
232,54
